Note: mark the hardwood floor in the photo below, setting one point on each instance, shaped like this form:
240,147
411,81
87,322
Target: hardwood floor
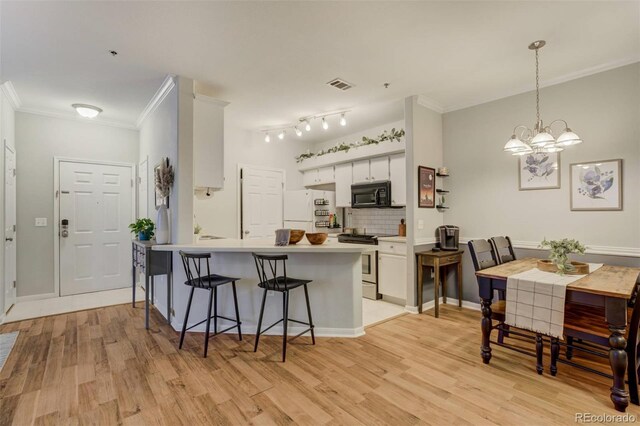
102,367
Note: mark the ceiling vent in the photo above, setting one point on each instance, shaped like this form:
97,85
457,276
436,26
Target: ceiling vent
339,83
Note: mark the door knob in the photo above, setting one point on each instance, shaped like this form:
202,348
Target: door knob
246,232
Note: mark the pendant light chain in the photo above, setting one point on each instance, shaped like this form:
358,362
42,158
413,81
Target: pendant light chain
537,88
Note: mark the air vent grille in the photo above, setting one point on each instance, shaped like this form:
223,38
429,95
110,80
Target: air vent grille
341,84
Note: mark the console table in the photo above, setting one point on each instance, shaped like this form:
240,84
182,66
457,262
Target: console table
436,260
151,263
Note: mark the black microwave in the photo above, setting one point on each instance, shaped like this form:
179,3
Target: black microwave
371,195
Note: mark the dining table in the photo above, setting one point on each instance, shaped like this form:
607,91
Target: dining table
609,287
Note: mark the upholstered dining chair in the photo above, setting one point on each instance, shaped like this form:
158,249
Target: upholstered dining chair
484,256
503,248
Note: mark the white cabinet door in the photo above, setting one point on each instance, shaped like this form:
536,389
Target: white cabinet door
398,176
379,168
361,171
208,142
392,275
310,177
344,179
325,175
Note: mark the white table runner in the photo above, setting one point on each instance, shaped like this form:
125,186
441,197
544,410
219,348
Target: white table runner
535,300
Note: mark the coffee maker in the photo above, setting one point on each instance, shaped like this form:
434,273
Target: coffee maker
447,237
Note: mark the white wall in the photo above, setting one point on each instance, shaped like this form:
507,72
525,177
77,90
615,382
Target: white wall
218,214
38,140
604,109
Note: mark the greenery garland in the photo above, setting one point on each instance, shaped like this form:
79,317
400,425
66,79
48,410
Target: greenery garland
392,136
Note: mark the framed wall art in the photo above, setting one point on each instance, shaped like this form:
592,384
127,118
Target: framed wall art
596,185
426,187
539,171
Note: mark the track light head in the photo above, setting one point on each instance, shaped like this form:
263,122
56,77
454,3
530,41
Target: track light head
343,120
307,125
267,138
298,131
281,135
325,125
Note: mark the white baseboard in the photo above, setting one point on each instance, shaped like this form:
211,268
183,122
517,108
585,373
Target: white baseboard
450,301
36,297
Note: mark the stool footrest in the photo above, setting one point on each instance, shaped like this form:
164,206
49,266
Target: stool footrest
223,331
214,316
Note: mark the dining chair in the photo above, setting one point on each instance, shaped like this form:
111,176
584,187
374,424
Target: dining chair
503,249
484,256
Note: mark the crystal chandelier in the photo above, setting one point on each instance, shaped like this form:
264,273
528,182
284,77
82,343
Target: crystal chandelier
540,139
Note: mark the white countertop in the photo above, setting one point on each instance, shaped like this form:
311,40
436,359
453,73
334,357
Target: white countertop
396,239
263,246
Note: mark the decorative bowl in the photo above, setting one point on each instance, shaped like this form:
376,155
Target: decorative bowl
317,238
580,268
295,235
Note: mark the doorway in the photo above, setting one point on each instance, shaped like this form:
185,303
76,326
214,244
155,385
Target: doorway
9,227
95,205
262,198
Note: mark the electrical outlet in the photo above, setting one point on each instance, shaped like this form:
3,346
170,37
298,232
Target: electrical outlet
420,224
41,221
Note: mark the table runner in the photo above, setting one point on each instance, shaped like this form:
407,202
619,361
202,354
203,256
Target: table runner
535,300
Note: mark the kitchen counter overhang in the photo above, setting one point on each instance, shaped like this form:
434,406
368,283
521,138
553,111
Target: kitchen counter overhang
261,246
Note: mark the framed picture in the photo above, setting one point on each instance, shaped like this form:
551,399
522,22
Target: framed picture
539,171
596,185
426,187
159,199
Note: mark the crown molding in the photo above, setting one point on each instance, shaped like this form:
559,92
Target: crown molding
552,82
76,118
11,94
603,250
167,85
430,104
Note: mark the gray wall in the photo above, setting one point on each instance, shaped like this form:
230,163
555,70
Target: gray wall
38,140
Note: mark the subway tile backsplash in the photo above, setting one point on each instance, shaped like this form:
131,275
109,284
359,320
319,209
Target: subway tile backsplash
376,221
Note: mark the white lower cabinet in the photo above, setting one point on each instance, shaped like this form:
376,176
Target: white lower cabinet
392,270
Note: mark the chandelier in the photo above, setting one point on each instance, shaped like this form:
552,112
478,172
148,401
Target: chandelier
540,139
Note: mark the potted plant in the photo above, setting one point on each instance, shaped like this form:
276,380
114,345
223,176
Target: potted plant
197,229
559,257
143,227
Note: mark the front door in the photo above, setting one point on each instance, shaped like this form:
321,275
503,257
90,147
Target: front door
96,209
262,201
9,227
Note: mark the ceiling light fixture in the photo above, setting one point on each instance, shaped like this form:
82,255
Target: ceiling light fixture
343,121
540,139
267,138
281,135
325,125
307,125
298,131
87,111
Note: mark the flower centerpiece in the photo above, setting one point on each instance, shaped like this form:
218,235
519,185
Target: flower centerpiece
164,177
559,256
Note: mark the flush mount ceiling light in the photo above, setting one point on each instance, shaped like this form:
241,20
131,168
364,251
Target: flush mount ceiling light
540,139
87,111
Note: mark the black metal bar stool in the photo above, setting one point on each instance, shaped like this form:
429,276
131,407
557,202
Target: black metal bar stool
199,277
267,267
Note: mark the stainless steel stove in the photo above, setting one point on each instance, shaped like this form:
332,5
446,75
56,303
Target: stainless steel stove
369,262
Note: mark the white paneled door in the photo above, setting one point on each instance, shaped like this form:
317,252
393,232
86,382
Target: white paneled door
262,201
9,227
96,207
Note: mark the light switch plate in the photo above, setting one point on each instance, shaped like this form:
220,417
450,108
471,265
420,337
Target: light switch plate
41,221
420,224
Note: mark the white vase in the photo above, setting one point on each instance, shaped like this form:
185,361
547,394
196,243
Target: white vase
162,225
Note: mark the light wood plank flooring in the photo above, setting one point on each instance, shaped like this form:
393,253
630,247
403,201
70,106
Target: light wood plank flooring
101,367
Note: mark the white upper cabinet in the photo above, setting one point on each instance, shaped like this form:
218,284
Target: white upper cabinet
321,176
208,142
361,171
379,168
398,177
344,179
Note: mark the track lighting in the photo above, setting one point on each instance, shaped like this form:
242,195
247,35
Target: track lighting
343,121
281,135
267,138
307,125
325,125
298,131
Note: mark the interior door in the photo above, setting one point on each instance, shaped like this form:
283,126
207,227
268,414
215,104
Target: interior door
262,202
9,227
96,200
143,179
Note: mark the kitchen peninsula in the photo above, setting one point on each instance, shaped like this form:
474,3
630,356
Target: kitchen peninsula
335,293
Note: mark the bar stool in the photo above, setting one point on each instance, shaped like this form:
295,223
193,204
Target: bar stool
199,277
267,267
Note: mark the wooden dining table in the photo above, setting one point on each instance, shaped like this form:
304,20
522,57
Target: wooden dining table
610,287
